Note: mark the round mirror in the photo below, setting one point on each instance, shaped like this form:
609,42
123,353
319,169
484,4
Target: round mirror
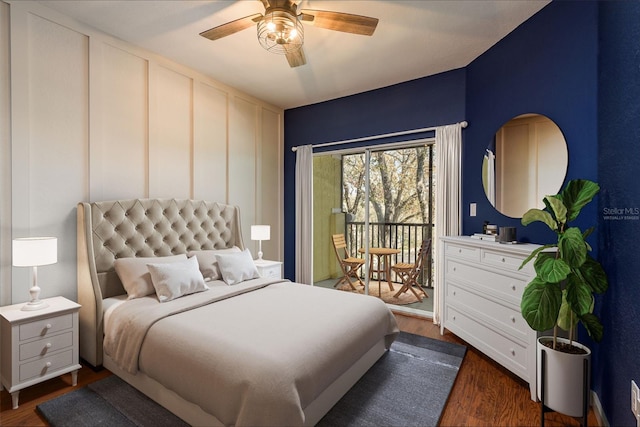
526,161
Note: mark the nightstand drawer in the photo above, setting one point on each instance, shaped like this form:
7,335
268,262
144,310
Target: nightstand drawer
47,365
45,346
41,328
271,271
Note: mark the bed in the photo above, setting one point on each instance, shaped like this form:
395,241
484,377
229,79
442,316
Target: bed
246,350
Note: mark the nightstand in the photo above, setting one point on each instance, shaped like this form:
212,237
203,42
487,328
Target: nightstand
272,269
38,345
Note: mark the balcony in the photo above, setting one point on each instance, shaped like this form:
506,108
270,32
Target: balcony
403,236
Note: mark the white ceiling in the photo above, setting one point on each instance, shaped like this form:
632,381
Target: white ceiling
413,39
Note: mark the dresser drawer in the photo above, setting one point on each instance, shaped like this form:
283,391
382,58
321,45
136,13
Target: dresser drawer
506,318
496,284
462,251
502,260
41,328
46,365
46,345
508,353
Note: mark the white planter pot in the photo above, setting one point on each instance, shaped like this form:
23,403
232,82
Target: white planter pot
564,378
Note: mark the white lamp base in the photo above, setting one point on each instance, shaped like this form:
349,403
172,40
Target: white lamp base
36,303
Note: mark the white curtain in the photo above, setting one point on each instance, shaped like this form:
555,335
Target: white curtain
448,199
304,214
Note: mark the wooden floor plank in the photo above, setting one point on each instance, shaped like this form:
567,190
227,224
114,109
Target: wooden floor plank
484,394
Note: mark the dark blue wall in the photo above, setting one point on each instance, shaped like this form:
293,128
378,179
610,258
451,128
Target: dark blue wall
617,359
433,101
548,65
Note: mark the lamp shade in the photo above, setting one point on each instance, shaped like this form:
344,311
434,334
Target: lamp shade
260,232
34,251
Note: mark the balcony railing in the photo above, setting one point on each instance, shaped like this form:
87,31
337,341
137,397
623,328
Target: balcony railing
403,236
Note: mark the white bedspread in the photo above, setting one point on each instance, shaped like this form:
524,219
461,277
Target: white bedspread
258,355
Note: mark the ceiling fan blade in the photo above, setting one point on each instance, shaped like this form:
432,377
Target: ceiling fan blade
346,22
231,27
296,58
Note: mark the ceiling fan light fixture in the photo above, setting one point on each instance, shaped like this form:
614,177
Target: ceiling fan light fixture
280,31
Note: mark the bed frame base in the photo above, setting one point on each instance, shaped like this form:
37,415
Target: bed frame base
195,415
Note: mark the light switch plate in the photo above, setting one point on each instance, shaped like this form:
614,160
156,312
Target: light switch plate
472,209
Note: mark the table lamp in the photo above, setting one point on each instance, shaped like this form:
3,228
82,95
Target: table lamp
32,252
260,233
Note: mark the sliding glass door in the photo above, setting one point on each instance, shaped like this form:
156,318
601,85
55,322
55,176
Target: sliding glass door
382,200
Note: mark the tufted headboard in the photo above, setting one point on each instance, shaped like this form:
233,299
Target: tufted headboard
139,228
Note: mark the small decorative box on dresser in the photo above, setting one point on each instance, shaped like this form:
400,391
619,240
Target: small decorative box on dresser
268,268
38,345
481,295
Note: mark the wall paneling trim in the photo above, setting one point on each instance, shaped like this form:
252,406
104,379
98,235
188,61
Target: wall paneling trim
87,117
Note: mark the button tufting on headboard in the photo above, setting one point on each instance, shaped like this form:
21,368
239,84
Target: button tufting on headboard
156,227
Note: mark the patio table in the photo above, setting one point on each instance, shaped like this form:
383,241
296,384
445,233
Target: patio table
383,266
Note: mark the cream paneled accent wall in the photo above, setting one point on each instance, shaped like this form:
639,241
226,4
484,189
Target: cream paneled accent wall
269,173
242,154
5,157
93,118
119,123
210,142
170,134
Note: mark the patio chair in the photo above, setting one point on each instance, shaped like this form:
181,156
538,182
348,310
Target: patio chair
349,265
409,272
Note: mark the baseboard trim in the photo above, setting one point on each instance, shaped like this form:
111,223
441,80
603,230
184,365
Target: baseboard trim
598,411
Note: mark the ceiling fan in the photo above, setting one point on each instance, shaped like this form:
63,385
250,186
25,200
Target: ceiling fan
280,28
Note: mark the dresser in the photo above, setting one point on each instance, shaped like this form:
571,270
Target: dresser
481,294
38,345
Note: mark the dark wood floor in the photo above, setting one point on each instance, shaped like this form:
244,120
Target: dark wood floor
484,393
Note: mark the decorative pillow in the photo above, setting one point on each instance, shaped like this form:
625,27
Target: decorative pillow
173,280
237,267
134,274
208,263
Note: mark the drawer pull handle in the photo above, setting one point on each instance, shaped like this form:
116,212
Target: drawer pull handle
48,326
48,345
503,260
513,352
459,251
513,287
513,319
48,364
454,293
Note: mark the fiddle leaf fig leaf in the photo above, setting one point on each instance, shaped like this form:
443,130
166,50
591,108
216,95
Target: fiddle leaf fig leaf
572,247
578,296
533,215
534,253
551,269
566,319
577,194
540,304
593,326
558,208
594,275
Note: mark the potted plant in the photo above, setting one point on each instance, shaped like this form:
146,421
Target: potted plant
561,295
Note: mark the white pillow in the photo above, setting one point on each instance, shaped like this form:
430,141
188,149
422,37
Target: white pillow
208,263
173,280
237,267
134,274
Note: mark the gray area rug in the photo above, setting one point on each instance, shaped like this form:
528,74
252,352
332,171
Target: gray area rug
408,386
